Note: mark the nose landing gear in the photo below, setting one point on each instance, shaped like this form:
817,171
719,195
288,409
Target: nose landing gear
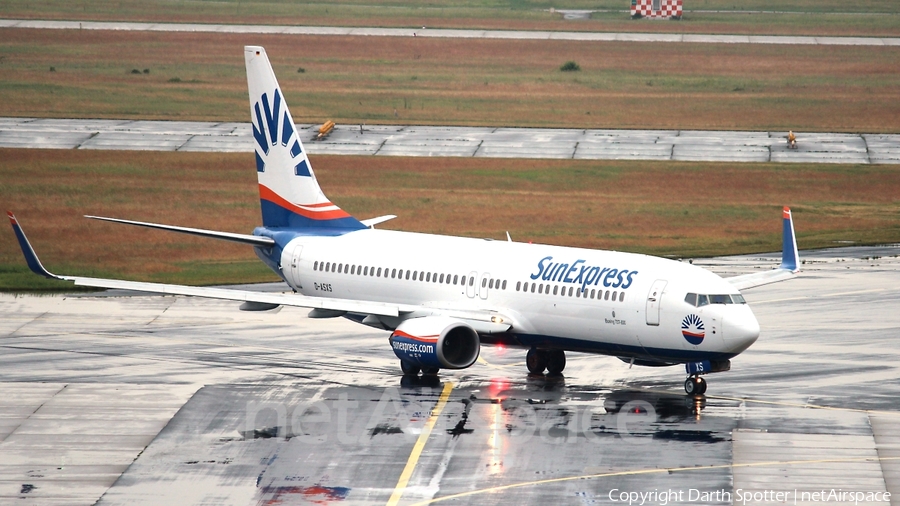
695,385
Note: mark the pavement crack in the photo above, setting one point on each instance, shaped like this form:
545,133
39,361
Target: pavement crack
36,318
33,413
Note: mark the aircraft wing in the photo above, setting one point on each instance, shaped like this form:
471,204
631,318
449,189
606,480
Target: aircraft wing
760,278
790,260
487,321
285,299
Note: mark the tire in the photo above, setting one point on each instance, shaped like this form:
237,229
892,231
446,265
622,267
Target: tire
556,361
430,371
536,361
695,385
690,387
409,368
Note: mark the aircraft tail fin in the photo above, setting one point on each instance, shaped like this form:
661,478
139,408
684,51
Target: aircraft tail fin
289,194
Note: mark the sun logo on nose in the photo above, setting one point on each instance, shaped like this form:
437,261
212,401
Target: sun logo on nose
692,329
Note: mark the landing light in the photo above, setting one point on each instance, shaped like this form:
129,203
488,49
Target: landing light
496,319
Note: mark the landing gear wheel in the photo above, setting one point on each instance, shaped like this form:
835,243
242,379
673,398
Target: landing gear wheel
409,368
556,361
430,371
536,360
695,385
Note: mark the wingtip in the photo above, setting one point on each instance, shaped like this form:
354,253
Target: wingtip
31,257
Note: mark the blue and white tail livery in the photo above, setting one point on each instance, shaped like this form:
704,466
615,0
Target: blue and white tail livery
289,194
441,298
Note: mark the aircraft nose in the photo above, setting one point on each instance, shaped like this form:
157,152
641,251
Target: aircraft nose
741,329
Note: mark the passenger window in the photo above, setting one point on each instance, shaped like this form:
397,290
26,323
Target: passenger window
415,275
491,284
593,291
455,278
541,288
379,272
702,300
621,296
555,289
504,285
533,286
518,285
448,279
606,295
483,282
614,296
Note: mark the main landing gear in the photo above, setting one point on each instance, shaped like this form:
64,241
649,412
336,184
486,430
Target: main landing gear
411,369
554,361
695,385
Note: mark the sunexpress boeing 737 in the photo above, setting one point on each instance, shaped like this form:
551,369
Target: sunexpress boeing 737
443,297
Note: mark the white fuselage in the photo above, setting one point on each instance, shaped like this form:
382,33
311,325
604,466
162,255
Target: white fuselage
631,305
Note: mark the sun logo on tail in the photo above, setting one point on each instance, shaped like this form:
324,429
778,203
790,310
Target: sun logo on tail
272,118
692,329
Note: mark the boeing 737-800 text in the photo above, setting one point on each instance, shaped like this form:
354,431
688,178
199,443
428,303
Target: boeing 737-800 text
443,297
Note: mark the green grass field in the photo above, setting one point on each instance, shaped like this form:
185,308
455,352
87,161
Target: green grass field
662,208
827,17
457,82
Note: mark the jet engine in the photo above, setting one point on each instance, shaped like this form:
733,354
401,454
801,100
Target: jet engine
436,342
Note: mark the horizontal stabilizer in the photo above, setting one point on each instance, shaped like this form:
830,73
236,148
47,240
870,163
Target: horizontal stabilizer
254,240
371,222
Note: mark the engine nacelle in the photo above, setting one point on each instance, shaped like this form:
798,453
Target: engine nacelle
436,341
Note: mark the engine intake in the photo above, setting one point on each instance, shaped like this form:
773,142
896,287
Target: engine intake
436,341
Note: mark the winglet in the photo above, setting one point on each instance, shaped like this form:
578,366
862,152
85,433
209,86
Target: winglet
30,256
790,259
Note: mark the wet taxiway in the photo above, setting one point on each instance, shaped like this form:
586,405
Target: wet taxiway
399,140
171,400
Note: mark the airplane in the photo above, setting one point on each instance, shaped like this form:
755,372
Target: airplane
444,297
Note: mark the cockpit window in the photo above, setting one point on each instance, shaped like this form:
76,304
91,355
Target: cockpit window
699,300
720,299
